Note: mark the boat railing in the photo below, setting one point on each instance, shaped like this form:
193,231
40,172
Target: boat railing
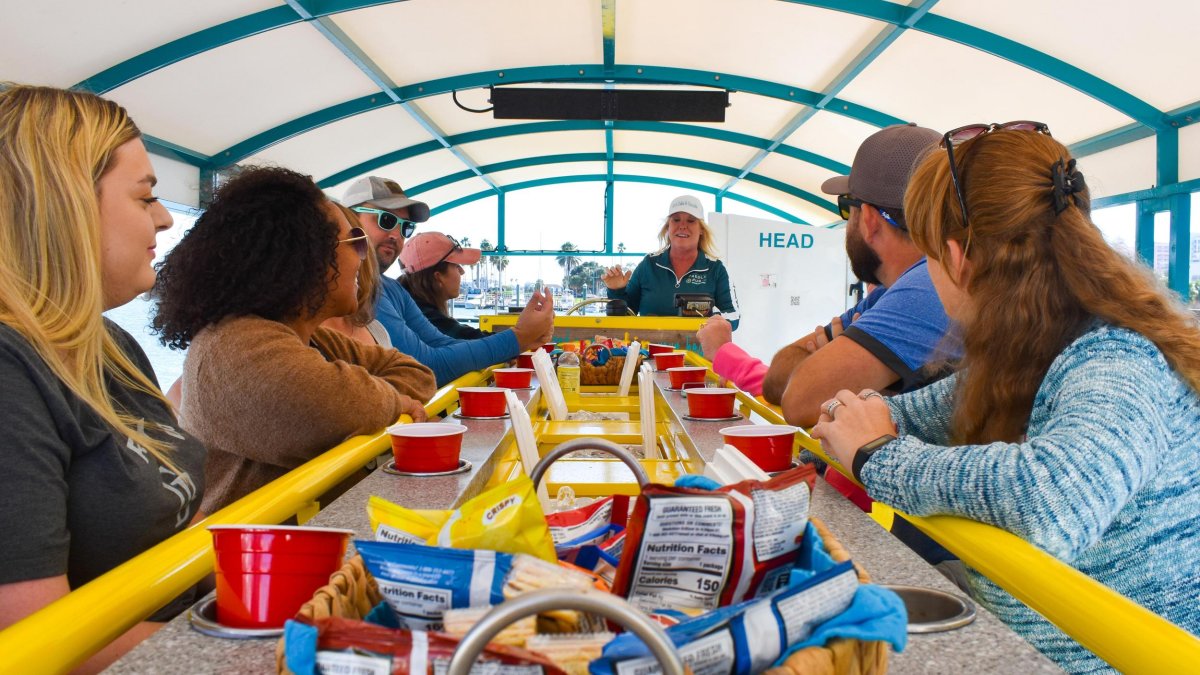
1128,636
66,632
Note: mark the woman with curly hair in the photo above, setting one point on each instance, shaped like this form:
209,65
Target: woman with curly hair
1074,420
95,469
265,387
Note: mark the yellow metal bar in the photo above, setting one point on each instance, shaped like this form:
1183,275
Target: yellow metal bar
1128,636
64,633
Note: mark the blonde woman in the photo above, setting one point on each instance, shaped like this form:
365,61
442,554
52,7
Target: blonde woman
362,324
687,263
96,469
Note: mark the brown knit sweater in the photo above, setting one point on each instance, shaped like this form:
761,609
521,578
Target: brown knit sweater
264,403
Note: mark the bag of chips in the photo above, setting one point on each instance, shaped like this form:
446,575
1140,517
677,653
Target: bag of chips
694,550
505,518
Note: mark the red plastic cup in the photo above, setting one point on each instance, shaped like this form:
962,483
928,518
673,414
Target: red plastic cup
265,573
656,348
482,401
549,347
426,447
767,445
686,375
711,402
665,360
525,360
513,378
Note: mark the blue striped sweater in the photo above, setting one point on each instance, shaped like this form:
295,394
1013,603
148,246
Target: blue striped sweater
1107,480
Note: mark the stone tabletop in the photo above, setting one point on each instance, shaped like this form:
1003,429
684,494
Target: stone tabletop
983,646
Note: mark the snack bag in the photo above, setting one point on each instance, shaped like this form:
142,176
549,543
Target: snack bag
591,524
420,583
746,638
335,645
505,518
695,550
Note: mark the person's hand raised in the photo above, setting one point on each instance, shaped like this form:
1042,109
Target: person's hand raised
713,334
615,278
535,326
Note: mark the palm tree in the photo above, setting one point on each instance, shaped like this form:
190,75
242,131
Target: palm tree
500,262
567,261
466,243
485,245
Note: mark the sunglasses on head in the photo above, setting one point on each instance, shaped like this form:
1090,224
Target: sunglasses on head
357,239
387,221
961,135
846,201
456,247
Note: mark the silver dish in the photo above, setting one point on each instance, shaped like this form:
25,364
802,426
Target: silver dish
203,618
461,416
390,467
736,417
934,611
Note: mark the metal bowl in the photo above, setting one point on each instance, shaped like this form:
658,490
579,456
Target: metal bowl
934,611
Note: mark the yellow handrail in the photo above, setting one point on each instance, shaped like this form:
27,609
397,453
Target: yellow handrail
64,633
1128,636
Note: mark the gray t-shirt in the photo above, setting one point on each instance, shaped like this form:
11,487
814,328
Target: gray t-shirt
77,499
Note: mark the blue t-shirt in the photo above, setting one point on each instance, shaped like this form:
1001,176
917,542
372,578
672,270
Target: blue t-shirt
448,357
903,326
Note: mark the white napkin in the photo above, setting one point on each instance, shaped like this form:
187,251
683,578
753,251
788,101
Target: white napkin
522,428
628,370
549,385
730,466
646,406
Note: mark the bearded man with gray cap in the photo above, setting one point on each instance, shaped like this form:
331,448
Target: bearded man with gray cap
389,217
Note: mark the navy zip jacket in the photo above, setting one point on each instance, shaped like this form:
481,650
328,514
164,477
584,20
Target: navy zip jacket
652,288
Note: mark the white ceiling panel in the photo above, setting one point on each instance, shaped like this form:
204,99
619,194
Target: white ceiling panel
513,176
715,180
1146,49
422,40
943,85
448,193
765,39
346,143
795,173
451,119
221,97
834,136
1189,152
810,213
1124,169
756,115
688,147
60,42
534,145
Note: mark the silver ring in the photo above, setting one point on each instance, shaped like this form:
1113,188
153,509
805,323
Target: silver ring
832,406
870,394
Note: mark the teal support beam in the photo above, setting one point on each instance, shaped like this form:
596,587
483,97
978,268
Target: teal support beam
720,200
859,63
1152,195
1109,140
619,178
167,149
1144,233
608,35
501,229
626,157
1178,274
1167,165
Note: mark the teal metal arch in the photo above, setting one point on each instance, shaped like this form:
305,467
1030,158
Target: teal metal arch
619,157
618,178
583,125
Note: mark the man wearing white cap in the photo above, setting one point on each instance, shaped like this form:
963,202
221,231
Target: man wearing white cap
389,217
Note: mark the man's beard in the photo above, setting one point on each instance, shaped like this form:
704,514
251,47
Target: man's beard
864,262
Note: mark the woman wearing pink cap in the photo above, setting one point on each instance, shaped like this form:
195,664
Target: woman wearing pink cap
433,269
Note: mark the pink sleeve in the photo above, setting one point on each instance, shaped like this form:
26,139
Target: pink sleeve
735,365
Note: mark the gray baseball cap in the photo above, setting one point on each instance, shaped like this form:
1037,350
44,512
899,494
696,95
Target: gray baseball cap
386,194
883,164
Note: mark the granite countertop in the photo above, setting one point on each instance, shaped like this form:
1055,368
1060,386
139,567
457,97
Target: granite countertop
983,646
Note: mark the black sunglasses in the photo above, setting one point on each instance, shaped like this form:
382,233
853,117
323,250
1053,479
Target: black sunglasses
457,247
358,239
963,134
846,201
387,221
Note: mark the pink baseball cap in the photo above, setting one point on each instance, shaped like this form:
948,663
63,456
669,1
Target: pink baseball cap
430,248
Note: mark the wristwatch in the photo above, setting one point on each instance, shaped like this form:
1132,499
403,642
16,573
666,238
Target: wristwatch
864,453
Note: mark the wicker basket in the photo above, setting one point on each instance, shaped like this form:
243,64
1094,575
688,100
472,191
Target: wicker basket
350,594
607,374
839,657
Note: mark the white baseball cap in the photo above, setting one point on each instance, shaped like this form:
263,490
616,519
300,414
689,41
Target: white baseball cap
386,194
686,204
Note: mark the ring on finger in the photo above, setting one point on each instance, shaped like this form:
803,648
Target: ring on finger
831,406
869,394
